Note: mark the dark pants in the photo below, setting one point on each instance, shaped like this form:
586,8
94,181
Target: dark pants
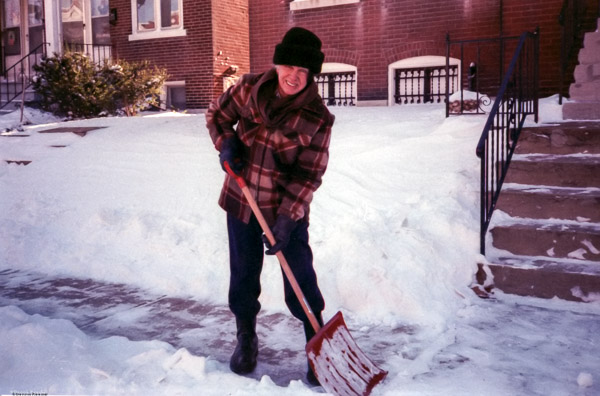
246,250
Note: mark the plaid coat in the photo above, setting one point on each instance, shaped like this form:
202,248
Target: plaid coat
285,141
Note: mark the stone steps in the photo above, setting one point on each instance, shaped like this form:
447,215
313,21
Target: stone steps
544,238
535,202
565,138
555,170
550,240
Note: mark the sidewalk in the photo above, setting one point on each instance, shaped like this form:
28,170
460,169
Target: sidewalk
527,346
102,310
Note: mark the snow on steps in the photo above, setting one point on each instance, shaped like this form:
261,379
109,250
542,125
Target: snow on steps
544,239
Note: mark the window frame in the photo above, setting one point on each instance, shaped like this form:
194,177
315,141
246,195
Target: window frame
308,4
158,31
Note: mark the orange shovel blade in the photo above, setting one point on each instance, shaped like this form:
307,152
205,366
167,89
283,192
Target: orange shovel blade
339,364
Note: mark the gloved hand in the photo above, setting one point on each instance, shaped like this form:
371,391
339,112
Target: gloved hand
282,231
232,153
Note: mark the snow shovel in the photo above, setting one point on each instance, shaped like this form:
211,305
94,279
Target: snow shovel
335,358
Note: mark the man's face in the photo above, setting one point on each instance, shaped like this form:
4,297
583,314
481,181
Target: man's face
292,79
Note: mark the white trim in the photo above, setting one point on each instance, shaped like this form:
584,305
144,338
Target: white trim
158,32
155,34
53,26
333,67
417,61
307,4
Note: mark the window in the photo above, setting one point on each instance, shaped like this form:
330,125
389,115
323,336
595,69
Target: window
100,23
12,27
35,11
306,4
421,79
337,84
156,19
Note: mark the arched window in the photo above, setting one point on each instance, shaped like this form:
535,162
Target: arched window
337,84
421,79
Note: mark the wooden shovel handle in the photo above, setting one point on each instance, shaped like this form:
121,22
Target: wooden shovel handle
282,261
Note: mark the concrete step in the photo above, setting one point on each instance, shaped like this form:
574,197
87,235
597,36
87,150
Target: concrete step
591,41
526,276
549,239
565,138
589,53
587,91
581,111
585,73
555,170
575,204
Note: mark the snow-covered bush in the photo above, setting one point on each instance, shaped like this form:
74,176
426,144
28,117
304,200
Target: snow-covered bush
73,85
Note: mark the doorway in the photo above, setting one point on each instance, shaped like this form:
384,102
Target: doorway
86,28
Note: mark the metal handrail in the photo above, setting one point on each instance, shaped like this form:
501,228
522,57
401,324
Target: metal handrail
516,99
18,77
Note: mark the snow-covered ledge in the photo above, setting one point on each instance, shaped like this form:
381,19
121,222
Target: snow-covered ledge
306,4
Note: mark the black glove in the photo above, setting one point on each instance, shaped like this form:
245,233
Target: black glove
282,231
232,152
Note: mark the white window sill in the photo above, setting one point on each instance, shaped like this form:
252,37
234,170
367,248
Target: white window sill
307,4
157,34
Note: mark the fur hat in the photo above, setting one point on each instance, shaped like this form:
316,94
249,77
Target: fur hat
300,47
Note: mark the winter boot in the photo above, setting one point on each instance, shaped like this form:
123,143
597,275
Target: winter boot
243,360
310,332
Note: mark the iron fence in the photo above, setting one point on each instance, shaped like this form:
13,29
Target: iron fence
424,84
337,88
99,54
482,63
18,77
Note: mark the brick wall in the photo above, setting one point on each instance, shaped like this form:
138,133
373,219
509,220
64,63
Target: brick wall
231,40
190,58
372,34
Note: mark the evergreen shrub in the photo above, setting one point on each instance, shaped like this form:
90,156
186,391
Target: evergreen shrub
73,85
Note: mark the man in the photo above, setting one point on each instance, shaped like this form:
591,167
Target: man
274,130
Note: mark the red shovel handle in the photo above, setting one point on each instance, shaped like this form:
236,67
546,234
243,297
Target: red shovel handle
282,261
239,179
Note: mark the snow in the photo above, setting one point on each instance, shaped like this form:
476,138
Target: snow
394,230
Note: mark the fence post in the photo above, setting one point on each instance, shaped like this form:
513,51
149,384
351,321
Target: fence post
447,74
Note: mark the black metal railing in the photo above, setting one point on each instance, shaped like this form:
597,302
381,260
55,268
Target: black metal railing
424,84
99,54
482,63
516,99
18,77
337,88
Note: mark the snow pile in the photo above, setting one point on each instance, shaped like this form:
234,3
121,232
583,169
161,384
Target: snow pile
393,227
394,230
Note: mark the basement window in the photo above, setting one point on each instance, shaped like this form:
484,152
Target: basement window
152,19
307,4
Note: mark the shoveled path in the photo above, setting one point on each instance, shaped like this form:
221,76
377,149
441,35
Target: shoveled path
102,309
506,344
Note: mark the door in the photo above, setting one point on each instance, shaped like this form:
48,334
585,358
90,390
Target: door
35,19
73,25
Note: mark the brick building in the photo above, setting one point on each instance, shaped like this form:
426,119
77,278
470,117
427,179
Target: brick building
371,35
201,44
206,44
